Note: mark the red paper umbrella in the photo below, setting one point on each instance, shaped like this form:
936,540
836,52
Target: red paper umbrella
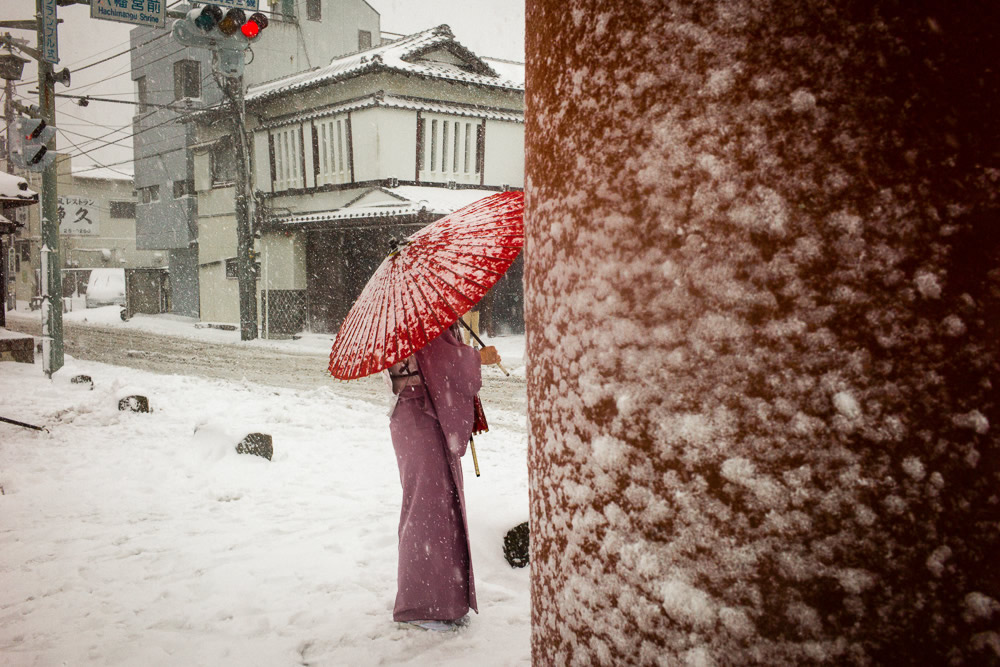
430,280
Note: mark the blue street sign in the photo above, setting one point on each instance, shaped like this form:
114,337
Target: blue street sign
50,38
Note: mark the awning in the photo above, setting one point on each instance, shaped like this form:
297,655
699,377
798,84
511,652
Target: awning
14,191
377,204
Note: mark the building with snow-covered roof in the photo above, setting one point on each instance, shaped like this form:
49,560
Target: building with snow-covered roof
346,156
173,81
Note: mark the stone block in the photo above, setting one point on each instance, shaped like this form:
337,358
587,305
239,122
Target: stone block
516,545
14,347
134,403
258,444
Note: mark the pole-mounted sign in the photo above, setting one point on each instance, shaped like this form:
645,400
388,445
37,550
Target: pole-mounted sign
150,13
50,39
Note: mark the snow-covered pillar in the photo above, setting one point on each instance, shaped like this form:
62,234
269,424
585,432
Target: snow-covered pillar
762,287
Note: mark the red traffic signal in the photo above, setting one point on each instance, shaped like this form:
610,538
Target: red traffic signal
35,133
254,26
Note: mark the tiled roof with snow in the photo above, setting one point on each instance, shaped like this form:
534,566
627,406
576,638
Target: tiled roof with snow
404,56
399,201
15,189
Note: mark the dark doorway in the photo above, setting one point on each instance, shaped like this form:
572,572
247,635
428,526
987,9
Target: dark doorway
338,266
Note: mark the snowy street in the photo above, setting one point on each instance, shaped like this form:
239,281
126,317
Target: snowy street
133,538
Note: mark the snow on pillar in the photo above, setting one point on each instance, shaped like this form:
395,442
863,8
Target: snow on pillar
761,287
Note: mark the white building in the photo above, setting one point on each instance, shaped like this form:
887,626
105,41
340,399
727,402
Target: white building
372,146
172,80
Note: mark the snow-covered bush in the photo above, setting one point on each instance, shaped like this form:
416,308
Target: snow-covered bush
762,289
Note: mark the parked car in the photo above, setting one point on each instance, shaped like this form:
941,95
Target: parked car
106,287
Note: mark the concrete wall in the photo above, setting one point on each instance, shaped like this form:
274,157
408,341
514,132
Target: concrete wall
288,47
220,298
283,261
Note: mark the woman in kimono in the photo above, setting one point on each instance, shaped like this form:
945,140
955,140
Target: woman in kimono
431,424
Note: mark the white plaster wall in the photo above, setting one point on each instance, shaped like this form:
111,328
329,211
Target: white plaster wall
396,143
504,154
261,164
364,133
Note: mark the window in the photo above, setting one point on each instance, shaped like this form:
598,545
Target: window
449,149
287,8
332,150
364,39
223,162
314,10
286,153
183,188
122,209
187,79
142,94
149,194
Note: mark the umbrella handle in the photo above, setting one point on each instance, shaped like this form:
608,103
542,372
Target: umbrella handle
475,461
481,343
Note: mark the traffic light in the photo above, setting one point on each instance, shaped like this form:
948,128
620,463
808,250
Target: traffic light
228,32
28,148
254,26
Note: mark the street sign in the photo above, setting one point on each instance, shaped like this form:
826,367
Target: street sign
50,38
150,13
79,216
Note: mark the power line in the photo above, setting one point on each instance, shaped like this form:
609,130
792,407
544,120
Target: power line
63,132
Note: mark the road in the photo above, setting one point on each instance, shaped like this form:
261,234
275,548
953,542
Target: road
175,355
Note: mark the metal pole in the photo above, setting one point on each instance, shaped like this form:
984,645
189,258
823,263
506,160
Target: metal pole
52,325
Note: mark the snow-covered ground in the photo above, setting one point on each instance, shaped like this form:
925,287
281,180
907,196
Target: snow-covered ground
145,539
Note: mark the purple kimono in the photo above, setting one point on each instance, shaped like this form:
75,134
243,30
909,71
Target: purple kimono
431,425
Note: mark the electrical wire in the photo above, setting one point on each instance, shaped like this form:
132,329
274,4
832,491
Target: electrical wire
100,165
178,119
74,68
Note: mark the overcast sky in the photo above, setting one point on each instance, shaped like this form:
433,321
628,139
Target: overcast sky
488,27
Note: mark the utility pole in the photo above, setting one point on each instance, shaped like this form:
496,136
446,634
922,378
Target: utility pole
52,320
246,274
228,33
8,114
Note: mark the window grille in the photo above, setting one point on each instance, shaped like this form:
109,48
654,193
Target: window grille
287,143
333,150
449,149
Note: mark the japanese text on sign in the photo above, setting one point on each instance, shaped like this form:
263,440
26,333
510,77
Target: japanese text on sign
50,39
78,216
149,13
